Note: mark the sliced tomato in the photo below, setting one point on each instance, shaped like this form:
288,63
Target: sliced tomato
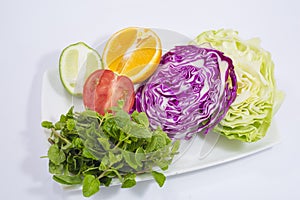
103,89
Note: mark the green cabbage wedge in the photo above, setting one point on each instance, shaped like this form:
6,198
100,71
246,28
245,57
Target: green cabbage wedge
258,98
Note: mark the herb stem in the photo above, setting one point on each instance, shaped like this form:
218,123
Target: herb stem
101,121
109,169
103,118
117,145
102,174
51,141
56,134
120,142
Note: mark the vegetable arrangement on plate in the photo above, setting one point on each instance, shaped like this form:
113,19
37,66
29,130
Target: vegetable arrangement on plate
140,103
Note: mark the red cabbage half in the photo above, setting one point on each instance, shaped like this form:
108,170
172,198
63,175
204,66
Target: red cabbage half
190,92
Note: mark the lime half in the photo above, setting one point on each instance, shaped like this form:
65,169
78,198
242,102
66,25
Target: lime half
76,63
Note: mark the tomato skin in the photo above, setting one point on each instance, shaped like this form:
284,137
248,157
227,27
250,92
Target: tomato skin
103,89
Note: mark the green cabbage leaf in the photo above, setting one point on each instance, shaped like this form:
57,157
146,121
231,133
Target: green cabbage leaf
258,98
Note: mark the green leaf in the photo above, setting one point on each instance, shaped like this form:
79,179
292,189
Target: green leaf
101,148
56,155
63,118
130,159
66,146
113,172
163,164
77,142
160,142
119,165
104,163
122,136
175,146
128,183
74,163
140,118
110,129
55,169
47,124
91,185
151,145
70,112
140,156
104,143
106,181
138,130
121,118
91,141
102,167
114,158
162,134
89,169
67,179
90,114
71,124
249,116
59,125
129,180
130,175
87,154
159,178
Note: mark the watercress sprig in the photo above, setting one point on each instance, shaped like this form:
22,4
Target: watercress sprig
91,149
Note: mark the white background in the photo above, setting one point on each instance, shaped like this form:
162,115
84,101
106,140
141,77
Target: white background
32,35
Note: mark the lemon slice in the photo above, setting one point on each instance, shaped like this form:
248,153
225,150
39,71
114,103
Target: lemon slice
77,61
134,52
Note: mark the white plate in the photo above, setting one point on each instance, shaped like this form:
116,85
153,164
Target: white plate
56,101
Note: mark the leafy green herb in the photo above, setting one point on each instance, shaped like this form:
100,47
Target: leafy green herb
47,124
129,180
159,178
67,179
141,118
91,149
56,155
91,185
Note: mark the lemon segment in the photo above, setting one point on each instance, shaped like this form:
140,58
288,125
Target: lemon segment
134,52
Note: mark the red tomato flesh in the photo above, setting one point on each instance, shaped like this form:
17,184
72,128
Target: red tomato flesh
103,89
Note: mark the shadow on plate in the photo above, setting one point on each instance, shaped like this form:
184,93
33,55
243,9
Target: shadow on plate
34,138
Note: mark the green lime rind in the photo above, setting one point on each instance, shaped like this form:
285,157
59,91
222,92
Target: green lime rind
75,59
